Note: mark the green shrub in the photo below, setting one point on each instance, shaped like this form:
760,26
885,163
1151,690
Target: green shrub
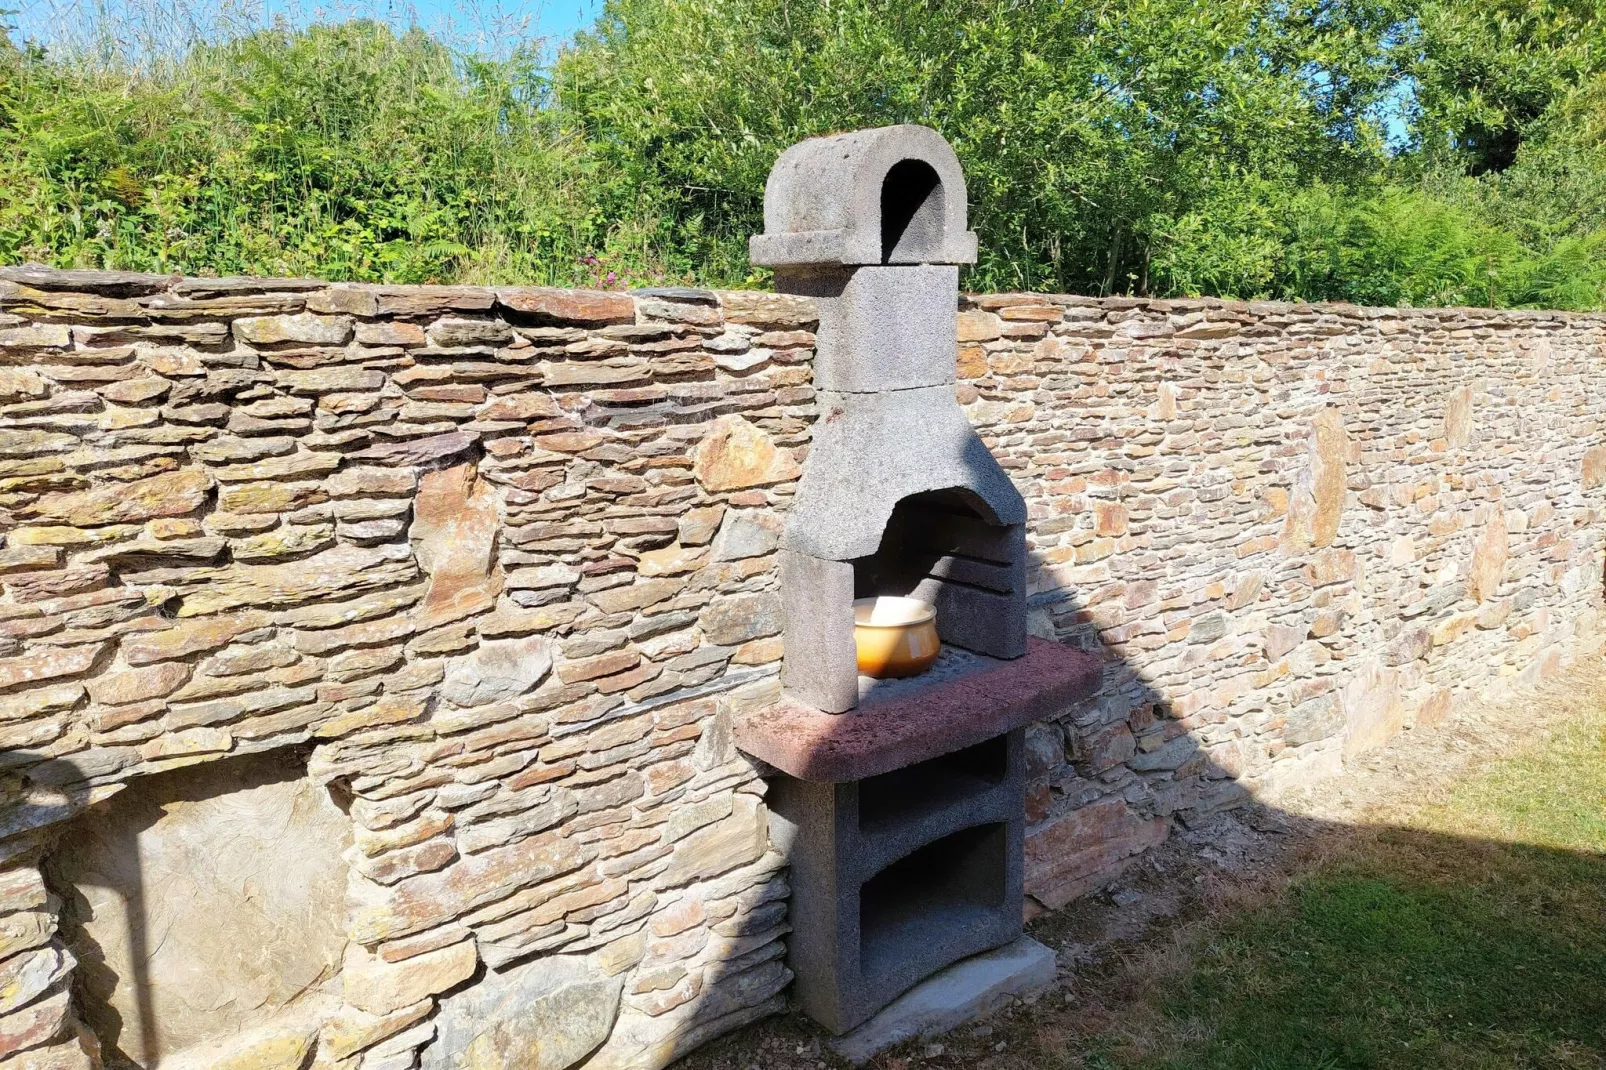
349,151
1124,146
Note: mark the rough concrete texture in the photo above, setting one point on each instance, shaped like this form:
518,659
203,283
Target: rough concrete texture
881,328
820,667
871,451
898,875
884,892
988,622
962,993
828,199
923,718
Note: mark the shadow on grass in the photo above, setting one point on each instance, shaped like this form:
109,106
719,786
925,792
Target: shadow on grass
1338,947
1406,949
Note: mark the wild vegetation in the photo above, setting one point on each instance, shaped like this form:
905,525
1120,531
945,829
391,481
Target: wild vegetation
1377,151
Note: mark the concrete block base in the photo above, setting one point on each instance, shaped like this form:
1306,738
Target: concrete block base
896,876
967,990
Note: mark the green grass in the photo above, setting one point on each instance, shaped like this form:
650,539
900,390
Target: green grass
1471,935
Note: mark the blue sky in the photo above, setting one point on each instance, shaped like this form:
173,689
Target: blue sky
552,18
481,24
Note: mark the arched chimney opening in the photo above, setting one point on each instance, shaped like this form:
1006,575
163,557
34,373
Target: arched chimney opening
911,213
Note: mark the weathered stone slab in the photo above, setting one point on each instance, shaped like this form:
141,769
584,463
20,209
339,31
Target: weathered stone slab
549,305
247,855
48,664
379,987
546,1014
1489,558
419,450
736,454
190,637
174,494
1072,855
1316,502
454,529
499,669
305,327
343,570
109,283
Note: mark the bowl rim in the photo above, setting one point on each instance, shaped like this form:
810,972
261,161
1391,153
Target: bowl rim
925,614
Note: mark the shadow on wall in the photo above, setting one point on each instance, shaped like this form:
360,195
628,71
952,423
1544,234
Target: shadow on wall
236,864
138,875
1400,947
1119,772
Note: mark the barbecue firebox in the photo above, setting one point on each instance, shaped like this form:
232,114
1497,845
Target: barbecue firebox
900,802
899,495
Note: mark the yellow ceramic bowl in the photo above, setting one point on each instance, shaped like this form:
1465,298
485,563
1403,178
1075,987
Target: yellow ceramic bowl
895,636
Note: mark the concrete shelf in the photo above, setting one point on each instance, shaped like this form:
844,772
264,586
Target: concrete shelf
904,819
966,700
957,780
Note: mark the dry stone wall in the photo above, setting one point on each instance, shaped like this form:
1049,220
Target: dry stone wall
498,565
505,558
1295,531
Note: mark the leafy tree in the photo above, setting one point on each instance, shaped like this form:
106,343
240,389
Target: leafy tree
1088,130
1241,149
1488,75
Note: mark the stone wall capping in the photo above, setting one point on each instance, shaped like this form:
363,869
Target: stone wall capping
242,285
106,283
685,294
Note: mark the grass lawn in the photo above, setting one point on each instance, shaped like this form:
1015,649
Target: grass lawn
1465,934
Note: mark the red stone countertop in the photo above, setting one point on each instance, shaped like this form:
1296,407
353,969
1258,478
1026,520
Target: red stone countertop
914,723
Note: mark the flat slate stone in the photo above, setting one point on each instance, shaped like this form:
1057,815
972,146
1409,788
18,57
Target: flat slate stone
106,283
967,990
678,293
968,701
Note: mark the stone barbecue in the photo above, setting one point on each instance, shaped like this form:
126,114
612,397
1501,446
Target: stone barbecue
901,805
393,673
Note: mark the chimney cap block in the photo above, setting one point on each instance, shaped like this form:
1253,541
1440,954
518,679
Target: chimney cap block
891,195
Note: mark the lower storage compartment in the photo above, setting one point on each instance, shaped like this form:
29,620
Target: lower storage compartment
898,875
933,904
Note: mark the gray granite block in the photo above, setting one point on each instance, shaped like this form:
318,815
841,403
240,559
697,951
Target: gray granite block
881,328
891,195
819,661
871,451
897,875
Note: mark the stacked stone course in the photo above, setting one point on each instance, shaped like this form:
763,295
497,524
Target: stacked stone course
1295,529
459,540
505,559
